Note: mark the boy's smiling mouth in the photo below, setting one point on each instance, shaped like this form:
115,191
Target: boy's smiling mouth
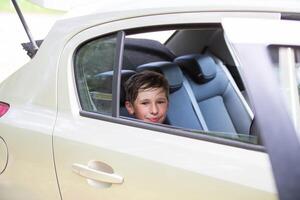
154,119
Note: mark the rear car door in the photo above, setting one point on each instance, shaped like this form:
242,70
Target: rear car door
100,156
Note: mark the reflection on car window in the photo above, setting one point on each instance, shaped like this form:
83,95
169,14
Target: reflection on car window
93,70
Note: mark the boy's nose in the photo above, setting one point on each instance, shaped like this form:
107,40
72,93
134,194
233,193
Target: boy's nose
154,109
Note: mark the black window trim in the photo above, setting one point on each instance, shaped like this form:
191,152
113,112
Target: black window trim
116,85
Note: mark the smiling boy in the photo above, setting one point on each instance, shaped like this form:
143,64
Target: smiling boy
147,96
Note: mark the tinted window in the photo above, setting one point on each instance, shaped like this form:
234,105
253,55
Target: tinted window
94,63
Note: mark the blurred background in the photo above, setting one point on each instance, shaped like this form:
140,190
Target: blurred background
12,33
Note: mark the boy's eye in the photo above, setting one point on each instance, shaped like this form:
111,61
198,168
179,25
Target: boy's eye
161,102
145,103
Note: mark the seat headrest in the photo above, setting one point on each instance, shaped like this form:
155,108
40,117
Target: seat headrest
201,68
171,72
102,83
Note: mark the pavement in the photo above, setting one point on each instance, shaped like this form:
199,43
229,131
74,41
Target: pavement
12,34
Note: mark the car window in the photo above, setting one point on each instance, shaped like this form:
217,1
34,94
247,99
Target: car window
94,63
219,97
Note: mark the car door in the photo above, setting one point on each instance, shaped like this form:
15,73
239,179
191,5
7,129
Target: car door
101,156
271,76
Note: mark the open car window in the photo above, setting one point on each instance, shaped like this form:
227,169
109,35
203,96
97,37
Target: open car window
195,65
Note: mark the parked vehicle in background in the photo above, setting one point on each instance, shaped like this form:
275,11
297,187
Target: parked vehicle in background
233,118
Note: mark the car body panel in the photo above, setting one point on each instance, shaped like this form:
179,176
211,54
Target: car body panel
45,133
154,165
27,130
29,173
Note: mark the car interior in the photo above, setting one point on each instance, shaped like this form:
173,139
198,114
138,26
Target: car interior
206,90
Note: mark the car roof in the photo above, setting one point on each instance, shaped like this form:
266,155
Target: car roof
166,6
108,5
99,12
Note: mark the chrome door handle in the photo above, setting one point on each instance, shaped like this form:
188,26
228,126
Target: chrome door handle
96,175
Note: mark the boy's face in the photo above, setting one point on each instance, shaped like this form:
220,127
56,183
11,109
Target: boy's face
150,105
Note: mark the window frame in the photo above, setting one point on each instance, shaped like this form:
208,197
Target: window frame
116,118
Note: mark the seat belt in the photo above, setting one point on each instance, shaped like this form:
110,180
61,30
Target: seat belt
195,105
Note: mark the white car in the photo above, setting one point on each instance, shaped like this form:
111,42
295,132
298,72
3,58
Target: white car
233,118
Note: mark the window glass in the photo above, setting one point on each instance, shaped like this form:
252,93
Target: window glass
94,63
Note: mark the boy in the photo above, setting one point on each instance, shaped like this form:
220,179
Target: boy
147,95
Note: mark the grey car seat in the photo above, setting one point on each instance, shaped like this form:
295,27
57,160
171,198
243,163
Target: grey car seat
221,107
140,51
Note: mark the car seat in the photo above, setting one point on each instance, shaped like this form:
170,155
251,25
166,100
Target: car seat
221,106
140,51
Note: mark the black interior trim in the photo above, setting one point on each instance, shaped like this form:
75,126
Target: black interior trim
290,16
172,130
171,27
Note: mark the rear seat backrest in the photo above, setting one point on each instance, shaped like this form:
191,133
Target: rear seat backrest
221,106
140,51
180,111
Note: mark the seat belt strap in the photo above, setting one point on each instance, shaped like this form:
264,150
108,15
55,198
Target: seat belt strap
194,103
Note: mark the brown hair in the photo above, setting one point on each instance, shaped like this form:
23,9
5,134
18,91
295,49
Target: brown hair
144,80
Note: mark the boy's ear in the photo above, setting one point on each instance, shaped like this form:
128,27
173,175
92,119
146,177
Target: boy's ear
129,107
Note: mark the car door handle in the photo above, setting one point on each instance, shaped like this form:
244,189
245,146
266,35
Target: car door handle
96,175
